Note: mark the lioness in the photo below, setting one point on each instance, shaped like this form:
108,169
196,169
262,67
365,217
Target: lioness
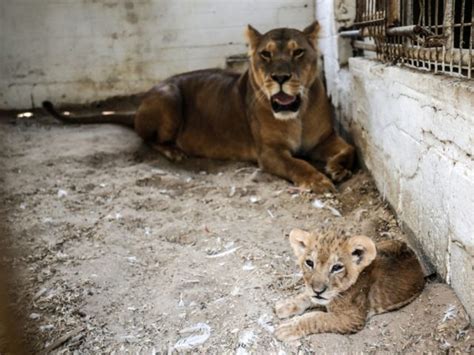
352,278
274,113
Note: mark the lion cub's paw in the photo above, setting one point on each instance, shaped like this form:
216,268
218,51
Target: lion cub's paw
288,331
288,308
339,174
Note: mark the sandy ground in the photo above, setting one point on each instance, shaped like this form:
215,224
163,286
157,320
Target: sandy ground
119,250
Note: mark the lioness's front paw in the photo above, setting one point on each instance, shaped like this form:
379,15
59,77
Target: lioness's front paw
318,184
288,331
287,308
171,153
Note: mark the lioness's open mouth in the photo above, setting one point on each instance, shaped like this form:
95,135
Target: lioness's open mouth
284,102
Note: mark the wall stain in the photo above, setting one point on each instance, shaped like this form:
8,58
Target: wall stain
169,36
131,18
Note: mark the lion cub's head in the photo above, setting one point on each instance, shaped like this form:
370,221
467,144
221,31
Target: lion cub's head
283,65
330,263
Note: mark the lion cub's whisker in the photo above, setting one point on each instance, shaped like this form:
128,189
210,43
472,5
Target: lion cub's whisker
347,276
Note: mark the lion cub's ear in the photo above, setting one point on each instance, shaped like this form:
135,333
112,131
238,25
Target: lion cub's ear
300,240
253,38
362,250
312,31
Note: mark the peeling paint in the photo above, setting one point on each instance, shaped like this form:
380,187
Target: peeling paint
132,44
430,182
131,18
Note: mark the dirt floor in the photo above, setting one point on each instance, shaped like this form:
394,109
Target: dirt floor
120,251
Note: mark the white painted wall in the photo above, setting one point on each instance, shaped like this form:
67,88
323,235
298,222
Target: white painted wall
78,51
415,132
332,15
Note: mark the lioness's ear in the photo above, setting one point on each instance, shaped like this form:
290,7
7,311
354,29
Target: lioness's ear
253,37
312,31
300,240
362,250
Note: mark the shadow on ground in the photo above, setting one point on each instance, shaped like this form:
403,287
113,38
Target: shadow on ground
119,250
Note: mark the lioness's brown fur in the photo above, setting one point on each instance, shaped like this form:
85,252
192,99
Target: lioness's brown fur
222,115
351,278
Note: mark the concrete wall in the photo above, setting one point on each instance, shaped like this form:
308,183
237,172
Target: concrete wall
77,51
415,134
333,15
415,131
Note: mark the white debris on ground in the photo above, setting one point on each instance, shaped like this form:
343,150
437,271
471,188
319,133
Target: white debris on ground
61,193
25,115
246,339
200,333
320,205
248,266
254,199
224,253
450,313
186,248
265,321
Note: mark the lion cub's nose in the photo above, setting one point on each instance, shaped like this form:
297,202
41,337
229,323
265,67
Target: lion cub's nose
320,291
281,78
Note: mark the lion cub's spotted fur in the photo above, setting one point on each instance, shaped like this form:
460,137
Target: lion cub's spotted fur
349,279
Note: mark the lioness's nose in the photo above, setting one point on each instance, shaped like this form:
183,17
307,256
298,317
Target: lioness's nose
281,78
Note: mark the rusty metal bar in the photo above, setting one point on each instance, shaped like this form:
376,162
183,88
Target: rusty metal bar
449,30
461,31
351,34
433,34
463,58
428,24
365,46
435,30
471,43
370,22
391,31
407,31
393,10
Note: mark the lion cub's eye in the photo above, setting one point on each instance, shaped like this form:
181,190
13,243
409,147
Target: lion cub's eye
309,263
336,268
266,55
297,53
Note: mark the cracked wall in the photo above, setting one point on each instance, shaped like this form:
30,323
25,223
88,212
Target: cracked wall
415,132
86,50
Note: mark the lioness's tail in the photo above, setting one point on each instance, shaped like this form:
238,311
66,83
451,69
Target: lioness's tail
125,118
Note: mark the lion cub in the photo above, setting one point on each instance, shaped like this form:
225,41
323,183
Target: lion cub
351,278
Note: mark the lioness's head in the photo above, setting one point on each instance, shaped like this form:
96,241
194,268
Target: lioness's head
283,65
331,263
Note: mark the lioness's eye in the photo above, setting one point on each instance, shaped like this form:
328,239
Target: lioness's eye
297,53
309,263
265,55
336,268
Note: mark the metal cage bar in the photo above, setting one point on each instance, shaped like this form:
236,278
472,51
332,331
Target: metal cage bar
435,35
